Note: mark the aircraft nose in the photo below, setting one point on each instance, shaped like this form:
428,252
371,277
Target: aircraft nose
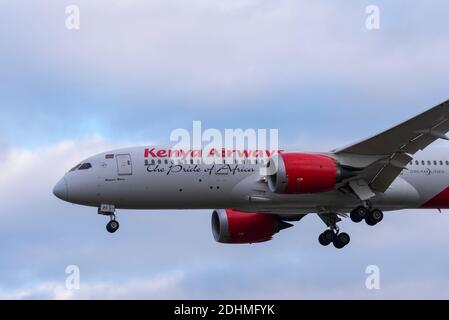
61,190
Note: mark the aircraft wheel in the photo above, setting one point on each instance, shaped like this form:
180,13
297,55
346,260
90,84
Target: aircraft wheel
112,226
374,217
326,237
322,240
341,240
359,213
329,235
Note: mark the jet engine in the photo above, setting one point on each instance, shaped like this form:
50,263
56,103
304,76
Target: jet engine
231,226
305,173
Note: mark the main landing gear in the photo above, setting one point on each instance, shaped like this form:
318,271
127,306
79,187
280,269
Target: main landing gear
333,234
371,216
339,239
109,210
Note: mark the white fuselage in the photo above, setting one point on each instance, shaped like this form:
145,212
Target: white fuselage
130,178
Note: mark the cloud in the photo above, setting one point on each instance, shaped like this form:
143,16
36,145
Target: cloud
213,50
140,69
164,285
34,171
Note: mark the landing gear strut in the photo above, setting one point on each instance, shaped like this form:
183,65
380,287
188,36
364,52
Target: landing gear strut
371,216
109,210
333,234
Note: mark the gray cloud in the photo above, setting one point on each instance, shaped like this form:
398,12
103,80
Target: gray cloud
137,70
270,61
216,50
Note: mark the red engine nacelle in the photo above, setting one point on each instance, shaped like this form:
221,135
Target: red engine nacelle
303,173
231,226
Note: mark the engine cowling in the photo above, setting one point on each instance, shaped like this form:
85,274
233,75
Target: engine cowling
231,226
304,173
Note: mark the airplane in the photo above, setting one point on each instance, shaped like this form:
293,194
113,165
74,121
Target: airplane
361,181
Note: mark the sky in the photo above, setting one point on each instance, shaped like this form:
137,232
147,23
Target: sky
137,70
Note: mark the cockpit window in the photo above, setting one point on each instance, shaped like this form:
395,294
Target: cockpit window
85,166
75,167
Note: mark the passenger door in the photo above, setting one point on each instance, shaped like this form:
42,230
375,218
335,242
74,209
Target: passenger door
124,165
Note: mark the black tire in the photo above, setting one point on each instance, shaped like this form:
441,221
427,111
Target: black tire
377,215
337,244
374,217
329,235
112,226
355,218
322,240
370,222
359,213
341,240
344,238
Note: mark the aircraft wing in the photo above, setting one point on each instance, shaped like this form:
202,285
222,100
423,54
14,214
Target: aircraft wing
381,158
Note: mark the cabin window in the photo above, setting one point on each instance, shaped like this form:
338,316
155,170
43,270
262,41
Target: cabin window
75,167
416,162
441,163
85,166
429,162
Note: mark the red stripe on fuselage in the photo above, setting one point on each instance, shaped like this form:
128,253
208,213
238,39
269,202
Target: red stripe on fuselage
440,201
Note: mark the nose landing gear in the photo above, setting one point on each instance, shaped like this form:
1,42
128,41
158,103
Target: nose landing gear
109,210
112,225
